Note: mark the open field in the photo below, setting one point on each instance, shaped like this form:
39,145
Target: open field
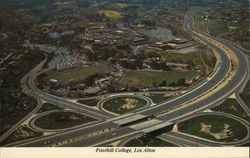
121,105
213,127
231,106
232,26
48,107
111,14
194,57
149,77
60,120
148,141
83,73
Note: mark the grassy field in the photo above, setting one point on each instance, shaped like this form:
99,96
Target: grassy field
217,27
84,72
245,95
150,50
60,120
148,141
48,107
193,127
229,30
148,78
111,14
158,98
116,105
231,106
90,102
194,57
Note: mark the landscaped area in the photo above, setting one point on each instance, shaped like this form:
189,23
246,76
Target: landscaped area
214,127
152,78
121,105
194,57
245,95
61,120
48,107
231,106
90,102
83,73
191,58
158,97
148,141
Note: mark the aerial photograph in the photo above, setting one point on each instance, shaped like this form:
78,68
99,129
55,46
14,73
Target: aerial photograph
115,74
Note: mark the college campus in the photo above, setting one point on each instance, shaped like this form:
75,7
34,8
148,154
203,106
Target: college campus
124,73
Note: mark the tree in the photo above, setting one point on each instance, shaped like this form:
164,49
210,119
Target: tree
163,84
171,84
154,84
181,82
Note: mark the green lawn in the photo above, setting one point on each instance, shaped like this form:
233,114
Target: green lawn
245,95
231,106
150,50
148,78
115,105
158,98
48,107
217,27
60,120
83,73
194,57
90,102
148,141
193,127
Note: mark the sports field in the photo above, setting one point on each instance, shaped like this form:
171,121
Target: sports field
83,73
149,78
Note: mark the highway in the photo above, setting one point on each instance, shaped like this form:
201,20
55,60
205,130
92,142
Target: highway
221,84
184,139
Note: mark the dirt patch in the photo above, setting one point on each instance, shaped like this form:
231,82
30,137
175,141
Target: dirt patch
74,118
223,134
130,103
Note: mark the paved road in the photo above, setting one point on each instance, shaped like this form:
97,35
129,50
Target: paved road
171,115
183,139
28,91
31,123
148,102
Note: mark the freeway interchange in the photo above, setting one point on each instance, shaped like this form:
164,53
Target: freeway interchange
227,79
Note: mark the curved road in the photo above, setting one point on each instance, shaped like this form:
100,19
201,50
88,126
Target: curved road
166,113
